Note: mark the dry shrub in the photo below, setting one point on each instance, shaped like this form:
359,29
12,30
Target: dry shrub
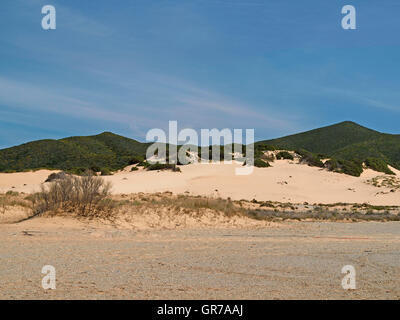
86,196
215,204
12,199
186,204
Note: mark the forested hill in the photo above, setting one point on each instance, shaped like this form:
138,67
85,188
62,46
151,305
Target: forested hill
104,151
108,151
345,140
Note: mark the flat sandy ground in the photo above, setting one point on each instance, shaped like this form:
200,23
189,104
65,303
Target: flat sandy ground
301,260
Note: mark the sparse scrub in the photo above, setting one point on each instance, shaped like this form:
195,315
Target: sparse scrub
270,215
193,205
12,193
86,196
12,199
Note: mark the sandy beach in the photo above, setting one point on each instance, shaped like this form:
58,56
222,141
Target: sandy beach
285,261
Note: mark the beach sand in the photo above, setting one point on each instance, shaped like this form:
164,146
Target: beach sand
291,260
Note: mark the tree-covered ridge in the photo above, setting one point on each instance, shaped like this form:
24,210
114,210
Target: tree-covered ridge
326,140
346,141
103,151
347,144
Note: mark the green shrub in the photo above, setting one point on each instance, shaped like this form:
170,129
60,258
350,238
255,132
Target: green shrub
265,147
144,164
310,158
332,165
78,171
106,172
136,160
222,149
378,165
134,169
353,168
284,155
95,168
350,167
163,166
261,163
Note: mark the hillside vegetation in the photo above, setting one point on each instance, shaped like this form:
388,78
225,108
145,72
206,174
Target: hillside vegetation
106,151
347,145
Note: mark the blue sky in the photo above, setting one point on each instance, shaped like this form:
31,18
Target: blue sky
279,67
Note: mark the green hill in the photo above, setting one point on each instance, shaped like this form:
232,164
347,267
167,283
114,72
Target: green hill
103,151
326,140
345,141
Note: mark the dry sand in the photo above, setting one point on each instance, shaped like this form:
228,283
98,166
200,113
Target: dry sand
287,261
284,182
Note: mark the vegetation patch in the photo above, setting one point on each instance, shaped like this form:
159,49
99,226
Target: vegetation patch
86,196
261,163
378,165
284,155
310,158
385,181
163,166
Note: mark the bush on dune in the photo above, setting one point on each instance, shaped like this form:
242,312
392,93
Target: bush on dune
106,172
352,168
310,158
86,196
136,160
284,155
163,166
261,163
56,176
378,165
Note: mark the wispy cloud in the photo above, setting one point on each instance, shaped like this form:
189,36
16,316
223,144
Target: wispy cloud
365,98
179,96
32,97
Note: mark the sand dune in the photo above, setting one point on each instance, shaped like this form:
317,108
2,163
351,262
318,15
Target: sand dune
286,181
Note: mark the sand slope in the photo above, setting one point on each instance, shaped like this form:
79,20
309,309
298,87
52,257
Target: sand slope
285,182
